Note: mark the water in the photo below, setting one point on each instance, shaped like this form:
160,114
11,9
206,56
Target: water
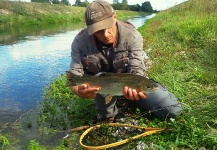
139,21
29,62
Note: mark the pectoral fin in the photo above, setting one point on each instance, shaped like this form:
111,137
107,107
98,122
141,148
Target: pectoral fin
108,98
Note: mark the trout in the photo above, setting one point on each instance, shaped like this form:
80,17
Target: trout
112,84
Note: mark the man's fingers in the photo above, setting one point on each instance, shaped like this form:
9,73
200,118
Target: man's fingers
130,93
125,91
142,95
82,86
135,95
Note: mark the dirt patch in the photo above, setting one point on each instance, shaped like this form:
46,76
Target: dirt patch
4,12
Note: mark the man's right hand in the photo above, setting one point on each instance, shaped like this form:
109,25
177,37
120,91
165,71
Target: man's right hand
84,91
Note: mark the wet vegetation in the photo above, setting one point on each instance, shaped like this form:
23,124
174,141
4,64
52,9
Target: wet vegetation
181,43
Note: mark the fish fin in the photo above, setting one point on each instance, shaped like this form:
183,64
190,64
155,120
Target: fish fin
99,74
104,74
108,98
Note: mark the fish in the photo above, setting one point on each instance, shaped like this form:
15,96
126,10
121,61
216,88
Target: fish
112,84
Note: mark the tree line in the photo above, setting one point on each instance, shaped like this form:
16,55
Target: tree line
144,7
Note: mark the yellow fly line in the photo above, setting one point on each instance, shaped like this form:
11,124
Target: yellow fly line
147,131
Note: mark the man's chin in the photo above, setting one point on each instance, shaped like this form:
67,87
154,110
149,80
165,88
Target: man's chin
108,41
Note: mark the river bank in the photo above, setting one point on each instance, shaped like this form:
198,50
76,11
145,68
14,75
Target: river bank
28,14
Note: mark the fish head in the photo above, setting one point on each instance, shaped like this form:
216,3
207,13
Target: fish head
147,87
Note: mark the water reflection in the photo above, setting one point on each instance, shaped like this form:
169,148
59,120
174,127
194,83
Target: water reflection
31,62
19,33
29,65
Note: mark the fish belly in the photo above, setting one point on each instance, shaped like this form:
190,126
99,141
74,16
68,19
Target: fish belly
112,90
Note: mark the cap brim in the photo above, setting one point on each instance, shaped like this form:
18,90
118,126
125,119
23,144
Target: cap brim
104,24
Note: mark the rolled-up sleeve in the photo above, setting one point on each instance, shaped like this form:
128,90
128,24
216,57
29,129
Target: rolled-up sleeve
76,66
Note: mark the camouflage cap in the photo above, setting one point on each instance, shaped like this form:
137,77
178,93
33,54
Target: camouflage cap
98,16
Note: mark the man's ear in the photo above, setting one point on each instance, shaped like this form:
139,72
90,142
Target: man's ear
115,16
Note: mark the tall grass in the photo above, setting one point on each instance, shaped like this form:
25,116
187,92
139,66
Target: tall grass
17,13
182,43
24,13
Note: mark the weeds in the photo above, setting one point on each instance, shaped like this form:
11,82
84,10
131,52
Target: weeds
24,13
183,49
3,142
33,145
62,109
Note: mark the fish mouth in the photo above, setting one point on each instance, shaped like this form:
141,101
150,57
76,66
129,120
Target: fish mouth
150,90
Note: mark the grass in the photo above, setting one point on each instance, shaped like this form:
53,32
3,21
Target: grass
181,43
29,14
25,13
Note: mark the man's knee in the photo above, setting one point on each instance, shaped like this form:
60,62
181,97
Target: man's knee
162,103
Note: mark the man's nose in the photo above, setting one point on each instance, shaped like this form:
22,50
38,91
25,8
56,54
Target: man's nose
105,32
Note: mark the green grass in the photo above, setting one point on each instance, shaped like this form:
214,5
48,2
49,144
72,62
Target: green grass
17,13
24,13
182,45
3,141
60,107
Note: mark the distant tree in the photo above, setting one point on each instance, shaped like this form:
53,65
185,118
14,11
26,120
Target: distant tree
77,2
66,2
41,1
55,1
116,5
136,7
84,4
115,1
81,4
146,7
124,4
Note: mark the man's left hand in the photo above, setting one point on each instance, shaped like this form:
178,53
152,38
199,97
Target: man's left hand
132,94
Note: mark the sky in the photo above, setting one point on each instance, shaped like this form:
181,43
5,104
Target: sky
156,4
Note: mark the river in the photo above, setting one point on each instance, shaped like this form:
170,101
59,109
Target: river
30,60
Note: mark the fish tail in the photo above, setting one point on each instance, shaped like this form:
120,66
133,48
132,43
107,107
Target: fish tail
108,98
70,79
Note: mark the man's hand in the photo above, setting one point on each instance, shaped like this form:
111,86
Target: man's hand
84,91
132,94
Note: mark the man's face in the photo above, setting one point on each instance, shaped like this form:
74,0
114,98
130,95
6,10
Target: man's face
107,36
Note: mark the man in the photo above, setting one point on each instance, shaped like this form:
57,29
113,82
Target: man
110,45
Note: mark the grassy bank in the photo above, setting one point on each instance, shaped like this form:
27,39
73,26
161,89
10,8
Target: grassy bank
181,43
24,13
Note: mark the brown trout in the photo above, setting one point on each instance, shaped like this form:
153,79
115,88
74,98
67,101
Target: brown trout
112,84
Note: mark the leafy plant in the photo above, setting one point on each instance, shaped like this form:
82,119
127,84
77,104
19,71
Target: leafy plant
33,145
3,142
